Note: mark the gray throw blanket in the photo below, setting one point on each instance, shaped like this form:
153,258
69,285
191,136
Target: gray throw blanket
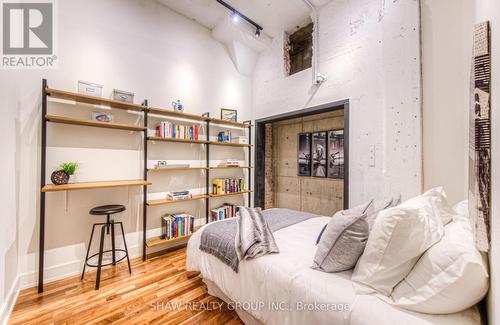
253,236
218,239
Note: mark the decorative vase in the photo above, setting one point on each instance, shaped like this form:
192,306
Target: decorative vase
177,106
59,177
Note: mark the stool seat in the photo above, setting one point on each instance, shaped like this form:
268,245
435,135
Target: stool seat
107,209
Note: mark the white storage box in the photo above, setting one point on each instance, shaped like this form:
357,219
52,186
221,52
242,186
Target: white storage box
89,88
241,140
123,96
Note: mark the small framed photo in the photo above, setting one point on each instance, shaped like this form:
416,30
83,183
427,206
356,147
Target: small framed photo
227,114
336,154
319,154
304,154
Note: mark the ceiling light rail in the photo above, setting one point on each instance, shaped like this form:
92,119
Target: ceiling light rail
236,15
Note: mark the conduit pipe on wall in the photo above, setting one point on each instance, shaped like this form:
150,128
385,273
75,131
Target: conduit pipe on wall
318,78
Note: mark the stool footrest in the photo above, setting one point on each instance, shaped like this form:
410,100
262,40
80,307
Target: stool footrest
107,251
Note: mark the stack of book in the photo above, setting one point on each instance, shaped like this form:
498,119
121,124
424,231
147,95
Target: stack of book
224,136
181,195
167,129
224,212
230,163
227,185
176,225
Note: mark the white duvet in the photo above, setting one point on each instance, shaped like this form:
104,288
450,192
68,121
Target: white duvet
283,289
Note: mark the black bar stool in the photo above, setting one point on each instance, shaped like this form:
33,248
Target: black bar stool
106,210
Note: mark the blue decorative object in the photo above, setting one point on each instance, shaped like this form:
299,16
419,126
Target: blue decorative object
178,106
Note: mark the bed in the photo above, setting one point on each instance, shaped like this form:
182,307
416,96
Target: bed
283,289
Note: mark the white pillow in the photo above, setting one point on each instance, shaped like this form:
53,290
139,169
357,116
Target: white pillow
434,201
399,237
450,277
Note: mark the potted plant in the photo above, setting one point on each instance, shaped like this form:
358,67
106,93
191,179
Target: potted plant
61,176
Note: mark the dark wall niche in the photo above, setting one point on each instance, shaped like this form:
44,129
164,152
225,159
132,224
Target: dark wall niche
299,49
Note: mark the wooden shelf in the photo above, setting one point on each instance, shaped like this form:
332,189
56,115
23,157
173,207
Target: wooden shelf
230,194
61,94
172,169
230,144
81,122
172,113
157,241
231,167
177,140
219,121
93,185
167,201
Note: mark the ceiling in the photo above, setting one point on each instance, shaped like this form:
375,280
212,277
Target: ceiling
275,16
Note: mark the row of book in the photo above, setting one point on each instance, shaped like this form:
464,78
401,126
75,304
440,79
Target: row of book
227,185
176,225
180,195
167,129
224,212
224,136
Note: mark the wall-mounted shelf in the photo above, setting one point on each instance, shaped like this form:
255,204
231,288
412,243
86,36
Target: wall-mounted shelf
175,169
177,140
62,94
172,113
158,241
224,122
82,122
231,194
230,144
93,185
231,167
167,201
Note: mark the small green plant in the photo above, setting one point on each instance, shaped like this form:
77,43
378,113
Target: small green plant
69,167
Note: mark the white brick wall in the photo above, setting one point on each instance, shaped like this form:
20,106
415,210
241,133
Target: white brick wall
369,52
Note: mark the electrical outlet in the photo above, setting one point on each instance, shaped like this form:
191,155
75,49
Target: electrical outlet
371,156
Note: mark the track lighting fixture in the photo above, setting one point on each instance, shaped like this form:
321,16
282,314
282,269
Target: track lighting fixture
236,15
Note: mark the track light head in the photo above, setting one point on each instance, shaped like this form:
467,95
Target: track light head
235,17
257,33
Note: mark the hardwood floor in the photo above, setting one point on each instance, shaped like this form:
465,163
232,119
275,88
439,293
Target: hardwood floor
159,291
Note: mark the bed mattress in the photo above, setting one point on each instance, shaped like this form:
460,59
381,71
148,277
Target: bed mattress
283,289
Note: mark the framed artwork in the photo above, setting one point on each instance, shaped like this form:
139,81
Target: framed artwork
480,138
319,149
227,114
304,154
336,154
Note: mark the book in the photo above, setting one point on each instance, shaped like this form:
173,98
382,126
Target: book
176,225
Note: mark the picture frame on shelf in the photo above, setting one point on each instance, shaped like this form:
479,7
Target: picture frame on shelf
227,114
335,167
304,155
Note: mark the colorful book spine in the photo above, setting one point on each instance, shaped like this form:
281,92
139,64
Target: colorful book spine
167,129
227,185
177,225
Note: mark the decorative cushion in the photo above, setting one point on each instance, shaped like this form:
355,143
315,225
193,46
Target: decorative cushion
400,235
379,205
343,240
434,201
450,277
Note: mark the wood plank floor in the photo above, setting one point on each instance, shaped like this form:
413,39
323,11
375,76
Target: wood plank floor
159,291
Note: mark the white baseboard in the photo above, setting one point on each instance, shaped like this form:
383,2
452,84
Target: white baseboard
10,301
61,271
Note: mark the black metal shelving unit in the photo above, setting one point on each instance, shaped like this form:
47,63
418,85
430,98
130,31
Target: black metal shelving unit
207,120
146,111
